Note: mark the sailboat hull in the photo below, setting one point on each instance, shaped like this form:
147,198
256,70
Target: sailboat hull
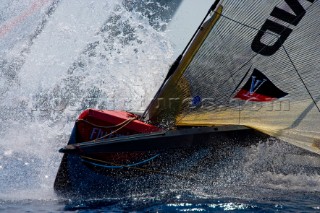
144,162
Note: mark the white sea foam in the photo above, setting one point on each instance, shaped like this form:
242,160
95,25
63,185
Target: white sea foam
73,63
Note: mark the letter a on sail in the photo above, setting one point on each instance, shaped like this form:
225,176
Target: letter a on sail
259,89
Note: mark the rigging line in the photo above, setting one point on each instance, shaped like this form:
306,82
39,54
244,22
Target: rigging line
255,56
128,165
233,74
241,81
246,25
113,132
257,53
297,27
105,127
252,56
302,116
243,24
121,126
214,5
304,84
150,171
174,66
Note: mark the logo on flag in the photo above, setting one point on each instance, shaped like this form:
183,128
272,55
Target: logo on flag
259,89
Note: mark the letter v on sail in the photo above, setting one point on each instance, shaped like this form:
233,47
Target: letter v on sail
259,88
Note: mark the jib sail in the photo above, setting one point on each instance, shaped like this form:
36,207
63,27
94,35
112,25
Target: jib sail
252,63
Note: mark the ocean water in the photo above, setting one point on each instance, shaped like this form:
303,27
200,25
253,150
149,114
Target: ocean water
59,57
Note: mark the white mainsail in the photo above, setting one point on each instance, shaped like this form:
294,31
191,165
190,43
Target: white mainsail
252,63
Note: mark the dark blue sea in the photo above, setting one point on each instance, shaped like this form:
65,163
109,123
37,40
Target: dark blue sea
59,57
265,177
249,199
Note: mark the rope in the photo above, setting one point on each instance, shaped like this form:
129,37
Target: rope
299,75
141,169
121,126
105,127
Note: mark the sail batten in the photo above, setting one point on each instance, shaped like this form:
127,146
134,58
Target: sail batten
257,65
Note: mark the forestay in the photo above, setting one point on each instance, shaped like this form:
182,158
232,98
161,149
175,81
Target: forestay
252,63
